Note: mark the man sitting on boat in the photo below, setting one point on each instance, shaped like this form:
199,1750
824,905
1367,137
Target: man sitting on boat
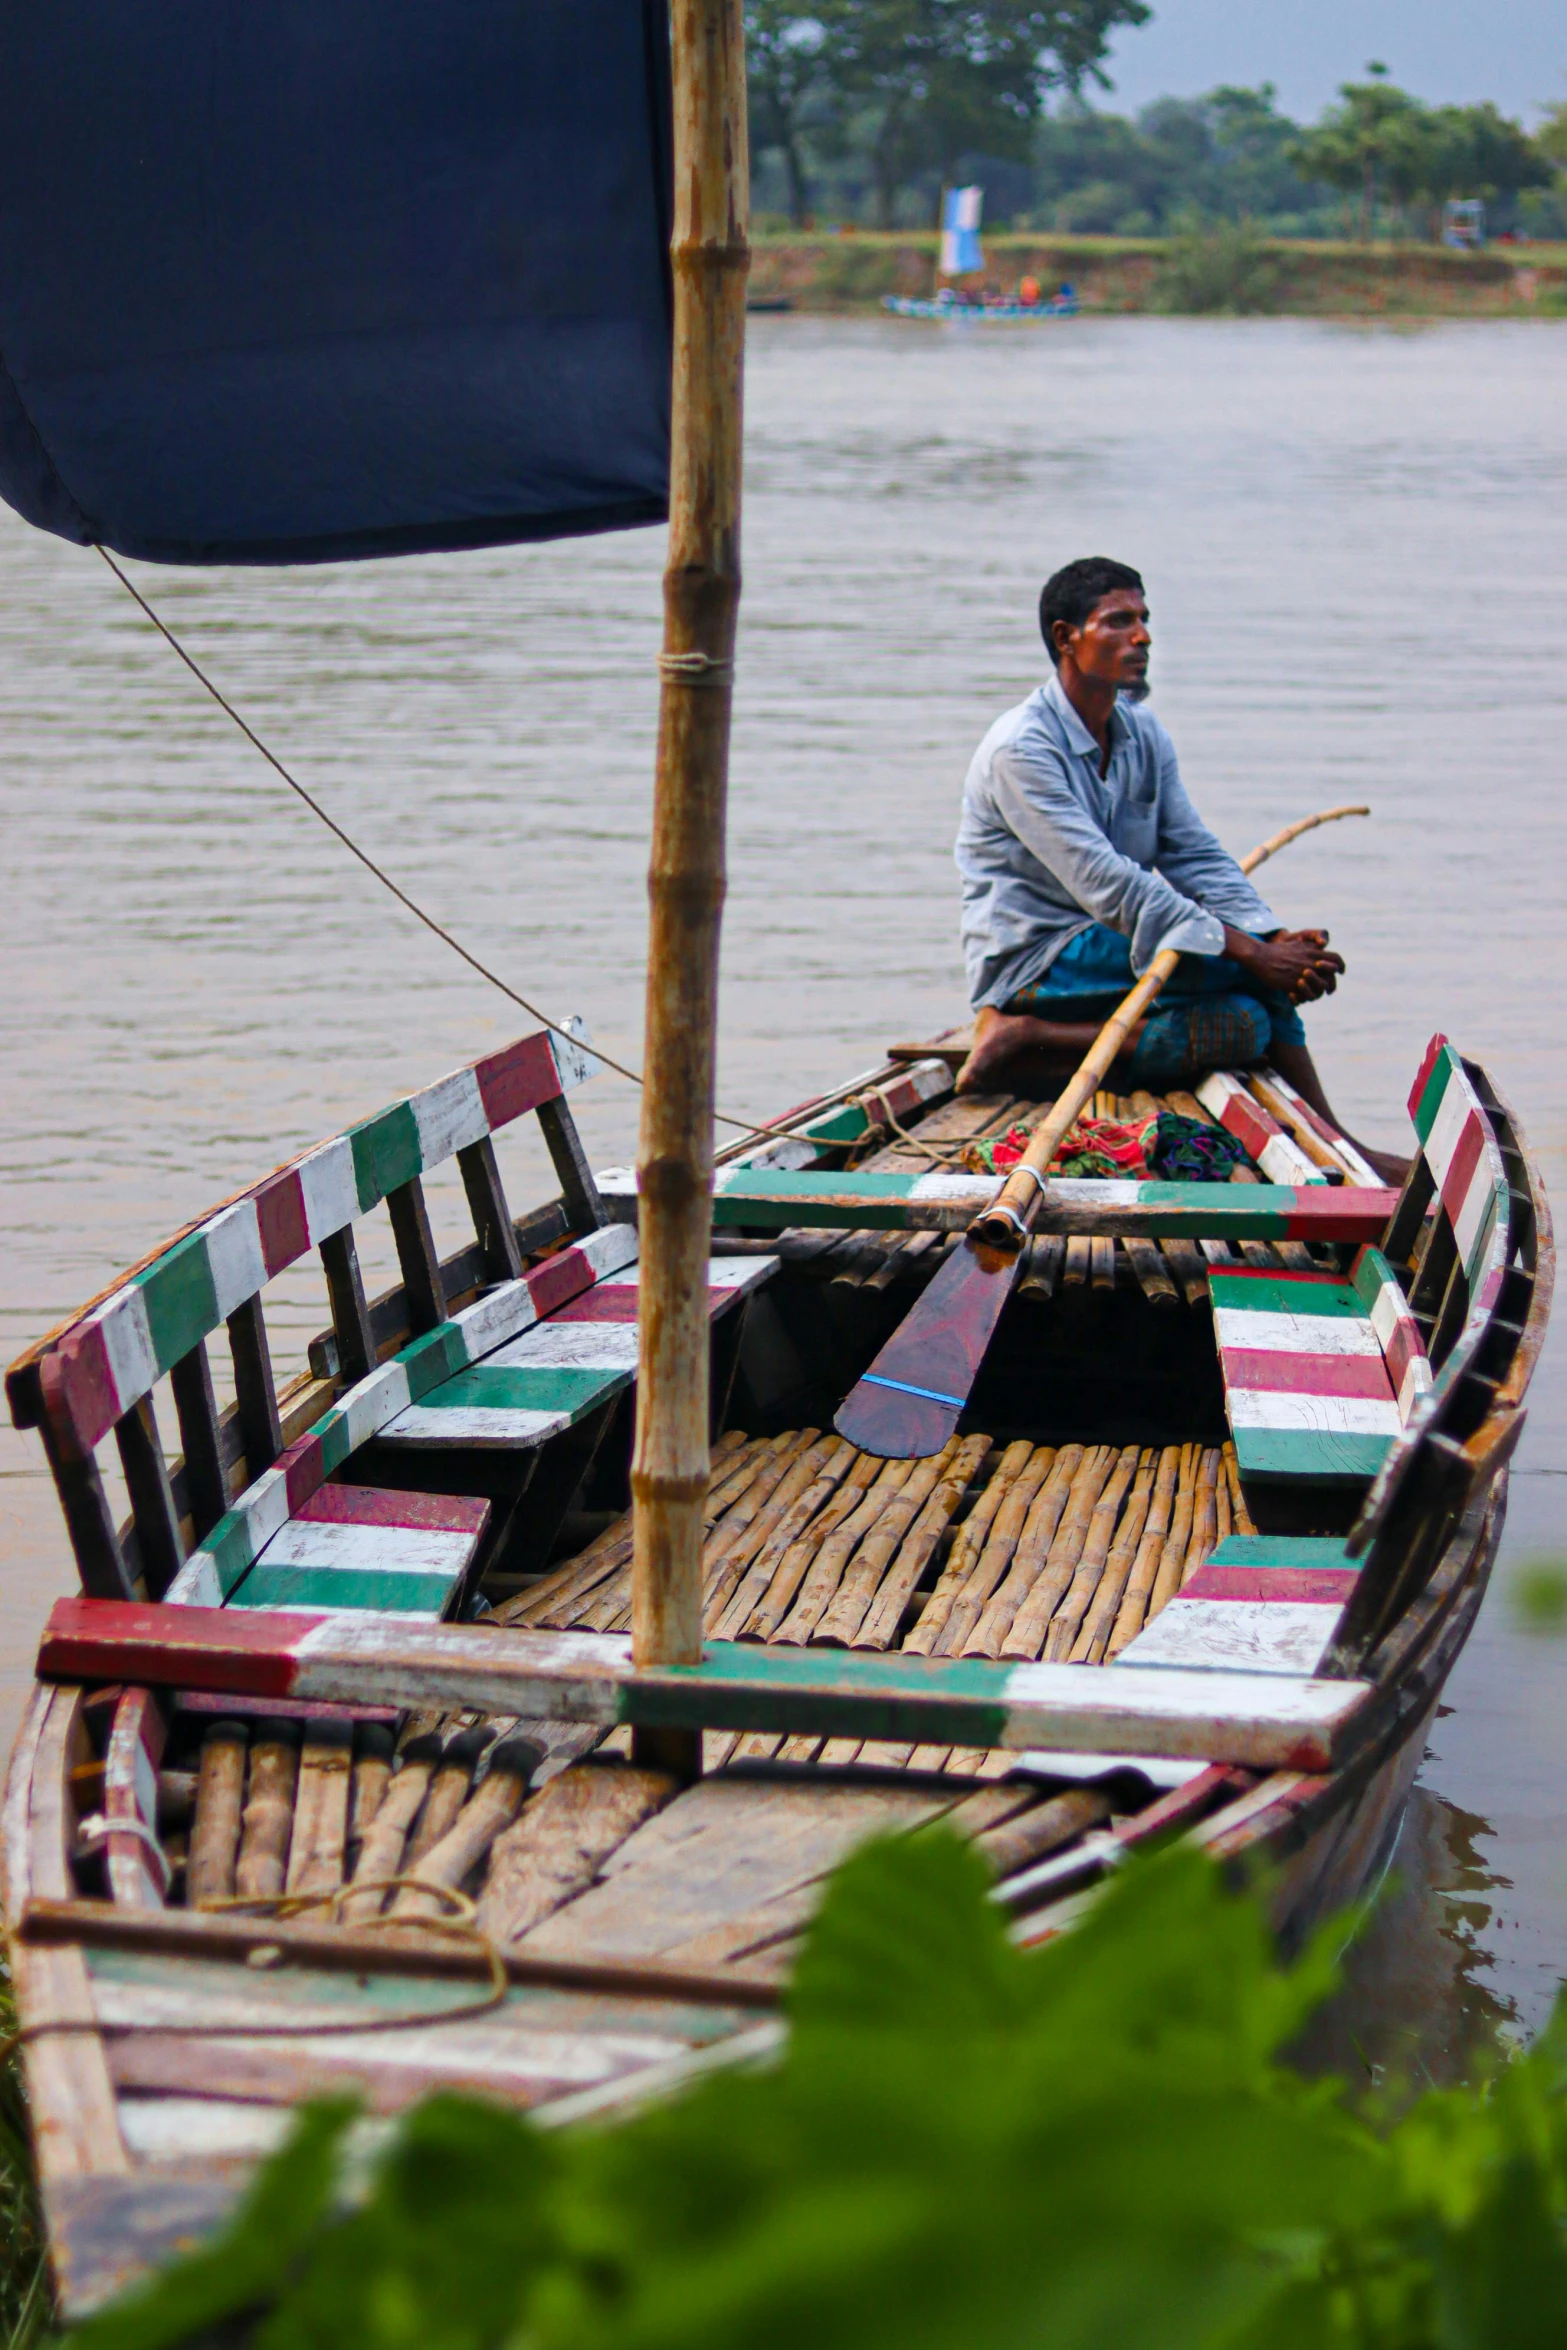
1082,857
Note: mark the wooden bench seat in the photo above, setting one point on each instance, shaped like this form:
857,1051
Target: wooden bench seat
1320,1371
535,1385
1263,1603
355,1546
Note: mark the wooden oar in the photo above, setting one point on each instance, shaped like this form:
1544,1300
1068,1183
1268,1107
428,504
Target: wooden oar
910,1400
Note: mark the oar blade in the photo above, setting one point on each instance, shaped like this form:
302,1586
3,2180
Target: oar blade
912,1397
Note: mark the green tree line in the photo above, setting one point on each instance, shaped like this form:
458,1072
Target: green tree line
862,110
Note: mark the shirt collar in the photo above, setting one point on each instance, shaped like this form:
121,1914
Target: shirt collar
1078,737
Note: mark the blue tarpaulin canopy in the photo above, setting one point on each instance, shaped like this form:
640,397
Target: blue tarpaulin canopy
284,281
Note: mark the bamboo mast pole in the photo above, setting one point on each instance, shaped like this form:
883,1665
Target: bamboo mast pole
710,258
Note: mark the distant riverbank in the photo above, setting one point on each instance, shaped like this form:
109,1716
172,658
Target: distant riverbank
1227,270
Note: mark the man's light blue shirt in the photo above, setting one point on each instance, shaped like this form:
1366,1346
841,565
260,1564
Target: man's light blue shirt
1046,847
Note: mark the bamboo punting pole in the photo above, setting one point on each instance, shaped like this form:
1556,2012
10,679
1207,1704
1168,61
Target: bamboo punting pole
830,1471
710,256
320,1837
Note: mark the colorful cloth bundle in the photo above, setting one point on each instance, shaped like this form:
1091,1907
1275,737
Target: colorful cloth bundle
1164,1144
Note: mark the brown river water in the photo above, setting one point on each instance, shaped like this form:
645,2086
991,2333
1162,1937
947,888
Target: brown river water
1353,543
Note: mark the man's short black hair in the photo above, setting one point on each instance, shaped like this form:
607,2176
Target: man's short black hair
1071,593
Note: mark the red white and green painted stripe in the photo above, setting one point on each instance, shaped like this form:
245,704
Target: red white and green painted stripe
113,1356
888,1200
1464,1159
356,1546
1263,1603
1257,1131
1269,1720
547,1378
1397,1332
1307,1391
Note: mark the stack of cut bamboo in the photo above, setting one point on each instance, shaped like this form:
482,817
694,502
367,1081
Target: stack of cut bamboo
1029,1551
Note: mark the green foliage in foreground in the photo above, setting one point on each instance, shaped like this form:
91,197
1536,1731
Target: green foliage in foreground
965,2145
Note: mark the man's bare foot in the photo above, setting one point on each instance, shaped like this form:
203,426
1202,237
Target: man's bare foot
998,1038
1003,1037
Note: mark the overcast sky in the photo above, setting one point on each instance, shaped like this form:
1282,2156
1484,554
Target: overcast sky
1514,51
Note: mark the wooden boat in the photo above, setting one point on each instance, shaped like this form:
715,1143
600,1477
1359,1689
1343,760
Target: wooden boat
345,1769
947,305
328,1777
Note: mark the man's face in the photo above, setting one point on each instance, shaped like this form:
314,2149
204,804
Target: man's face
1112,644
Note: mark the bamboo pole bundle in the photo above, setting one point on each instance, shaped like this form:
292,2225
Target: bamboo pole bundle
1242,1520
1101,1261
381,1850
959,1463
863,1577
448,1791
825,1570
1066,1623
1133,1610
1039,1531
1099,1622
372,1770
904,1260
1151,1272
1205,1522
1173,1556
607,1607
995,1556
319,1839
1017,1843
220,1796
966,1548
1026,1636
748,1544
493,1805
1079,1262
268,1821
1046,1256
743,1513
1189,1268
837,1461
792,1562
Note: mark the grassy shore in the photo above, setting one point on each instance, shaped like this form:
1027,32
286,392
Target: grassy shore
1226,270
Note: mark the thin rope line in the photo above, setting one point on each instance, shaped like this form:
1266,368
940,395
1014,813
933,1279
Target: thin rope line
779,1132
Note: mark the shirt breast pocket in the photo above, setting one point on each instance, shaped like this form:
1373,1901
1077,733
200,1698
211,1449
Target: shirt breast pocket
1135,829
